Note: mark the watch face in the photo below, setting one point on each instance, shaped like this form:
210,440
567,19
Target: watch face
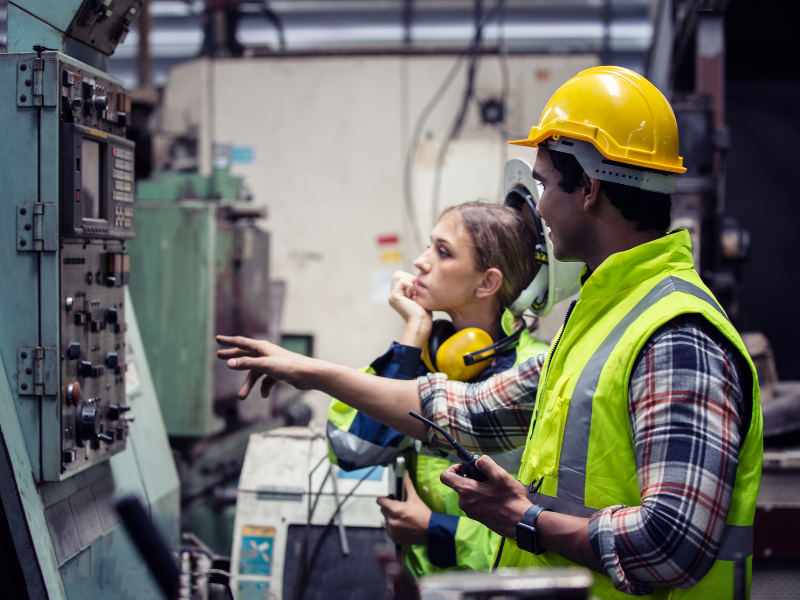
526,537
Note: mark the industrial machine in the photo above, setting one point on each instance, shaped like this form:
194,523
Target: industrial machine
305,529
200,267
688,64
75,375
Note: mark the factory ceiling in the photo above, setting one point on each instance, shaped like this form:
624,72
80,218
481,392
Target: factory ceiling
619,30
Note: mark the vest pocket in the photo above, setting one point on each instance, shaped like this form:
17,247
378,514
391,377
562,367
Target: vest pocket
552,418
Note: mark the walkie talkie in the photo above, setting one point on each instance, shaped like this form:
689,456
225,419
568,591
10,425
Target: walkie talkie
468,467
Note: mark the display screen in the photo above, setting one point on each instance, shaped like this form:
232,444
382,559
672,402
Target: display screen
91,195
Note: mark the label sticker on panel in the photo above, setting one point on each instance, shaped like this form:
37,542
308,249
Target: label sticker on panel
256,553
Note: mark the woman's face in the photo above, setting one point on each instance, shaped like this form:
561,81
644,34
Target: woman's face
447,277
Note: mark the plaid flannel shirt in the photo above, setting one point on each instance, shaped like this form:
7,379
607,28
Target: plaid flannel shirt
684,402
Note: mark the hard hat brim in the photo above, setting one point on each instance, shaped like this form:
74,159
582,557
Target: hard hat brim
534,143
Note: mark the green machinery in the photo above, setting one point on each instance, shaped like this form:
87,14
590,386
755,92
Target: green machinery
74,371
200,266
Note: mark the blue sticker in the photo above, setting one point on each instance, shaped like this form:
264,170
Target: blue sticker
376,475
253,590
243,155
255,557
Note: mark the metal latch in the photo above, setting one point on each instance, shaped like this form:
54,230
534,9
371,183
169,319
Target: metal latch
37,371
37,227
37,82
280,492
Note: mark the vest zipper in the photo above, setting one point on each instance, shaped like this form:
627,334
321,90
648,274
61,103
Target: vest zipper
552,355
536,415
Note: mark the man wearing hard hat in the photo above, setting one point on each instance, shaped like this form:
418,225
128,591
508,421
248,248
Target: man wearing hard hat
642,424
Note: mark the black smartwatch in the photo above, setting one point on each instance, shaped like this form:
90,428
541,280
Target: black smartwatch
527,534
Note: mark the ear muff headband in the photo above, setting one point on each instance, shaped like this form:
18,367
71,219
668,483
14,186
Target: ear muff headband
441,331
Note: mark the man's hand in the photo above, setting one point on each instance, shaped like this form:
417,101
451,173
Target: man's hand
406,522
262,359
498,503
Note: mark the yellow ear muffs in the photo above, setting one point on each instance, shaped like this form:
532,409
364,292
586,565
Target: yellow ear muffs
448,355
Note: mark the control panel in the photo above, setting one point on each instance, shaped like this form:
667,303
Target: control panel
93,413
96,213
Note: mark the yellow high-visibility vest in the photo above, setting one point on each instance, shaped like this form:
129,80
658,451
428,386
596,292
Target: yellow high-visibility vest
582,446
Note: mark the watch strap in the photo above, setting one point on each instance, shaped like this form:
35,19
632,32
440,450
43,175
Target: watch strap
527,534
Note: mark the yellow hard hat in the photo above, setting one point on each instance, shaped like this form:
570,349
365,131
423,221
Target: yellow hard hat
619,112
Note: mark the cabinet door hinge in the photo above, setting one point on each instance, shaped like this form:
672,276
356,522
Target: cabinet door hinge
37,82
37,227
37,371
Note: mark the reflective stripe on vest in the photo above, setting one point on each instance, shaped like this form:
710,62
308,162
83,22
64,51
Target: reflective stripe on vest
352,449
575,444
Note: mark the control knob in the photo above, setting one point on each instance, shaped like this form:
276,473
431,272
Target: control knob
88,426
100,103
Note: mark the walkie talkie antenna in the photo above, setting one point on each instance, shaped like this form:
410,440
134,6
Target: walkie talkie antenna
468,459
462,452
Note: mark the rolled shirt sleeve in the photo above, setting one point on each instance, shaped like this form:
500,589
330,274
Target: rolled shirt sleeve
488,417
684,401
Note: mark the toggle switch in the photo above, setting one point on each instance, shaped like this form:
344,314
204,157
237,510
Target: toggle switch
74,351
114,411
106,438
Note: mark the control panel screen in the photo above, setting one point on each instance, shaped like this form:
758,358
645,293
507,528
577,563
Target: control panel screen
91,198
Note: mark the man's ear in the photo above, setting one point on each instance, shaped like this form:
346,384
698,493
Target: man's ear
591,192
491,282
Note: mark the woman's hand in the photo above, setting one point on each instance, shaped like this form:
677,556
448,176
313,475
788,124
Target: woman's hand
418,320
406,522
263,359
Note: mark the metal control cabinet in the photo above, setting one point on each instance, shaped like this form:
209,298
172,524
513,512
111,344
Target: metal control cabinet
73,369
68,179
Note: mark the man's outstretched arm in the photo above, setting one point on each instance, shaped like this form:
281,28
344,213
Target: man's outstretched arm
385,400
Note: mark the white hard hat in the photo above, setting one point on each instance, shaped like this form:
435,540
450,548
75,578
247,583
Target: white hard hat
556,280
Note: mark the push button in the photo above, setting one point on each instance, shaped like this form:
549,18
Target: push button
85,368
74,351
74,393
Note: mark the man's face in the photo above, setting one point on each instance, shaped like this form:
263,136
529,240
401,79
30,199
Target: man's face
561,211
